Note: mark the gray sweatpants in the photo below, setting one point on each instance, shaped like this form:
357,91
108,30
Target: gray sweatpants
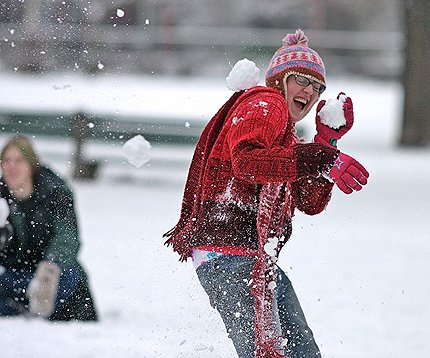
225,280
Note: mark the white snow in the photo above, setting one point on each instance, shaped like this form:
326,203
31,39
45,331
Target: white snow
332,114
4,212
120,12
270,247
140,96
244,74
360,269
271,285
137,150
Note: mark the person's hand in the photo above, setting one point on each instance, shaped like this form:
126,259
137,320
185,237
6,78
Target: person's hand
43,288
337,123
348,174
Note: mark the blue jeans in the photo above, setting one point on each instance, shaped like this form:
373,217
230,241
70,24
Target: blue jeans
13,285
226,281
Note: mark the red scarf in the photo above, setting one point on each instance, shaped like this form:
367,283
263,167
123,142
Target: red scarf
274,208
179,236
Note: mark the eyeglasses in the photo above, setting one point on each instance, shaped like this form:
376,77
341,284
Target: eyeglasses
304,82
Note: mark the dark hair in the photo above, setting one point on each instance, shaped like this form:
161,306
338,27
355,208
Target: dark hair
24,145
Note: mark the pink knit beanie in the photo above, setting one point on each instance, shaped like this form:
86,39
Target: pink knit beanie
295,57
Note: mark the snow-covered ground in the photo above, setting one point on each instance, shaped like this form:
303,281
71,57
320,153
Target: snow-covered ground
360,268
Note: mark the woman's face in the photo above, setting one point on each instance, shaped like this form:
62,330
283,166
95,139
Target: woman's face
299,99
16,169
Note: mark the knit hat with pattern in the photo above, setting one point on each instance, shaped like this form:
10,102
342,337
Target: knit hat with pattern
295,57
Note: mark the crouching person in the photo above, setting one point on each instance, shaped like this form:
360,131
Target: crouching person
39,241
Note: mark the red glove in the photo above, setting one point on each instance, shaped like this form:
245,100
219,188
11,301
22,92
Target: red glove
327,135
348,174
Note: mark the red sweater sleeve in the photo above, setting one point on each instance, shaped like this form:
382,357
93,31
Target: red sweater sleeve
257,127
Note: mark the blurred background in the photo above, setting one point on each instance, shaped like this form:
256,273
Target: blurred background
195,37
201,38
83,76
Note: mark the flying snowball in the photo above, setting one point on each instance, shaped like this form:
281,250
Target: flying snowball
136,150
244,74
331,113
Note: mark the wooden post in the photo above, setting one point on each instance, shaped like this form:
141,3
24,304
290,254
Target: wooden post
83,169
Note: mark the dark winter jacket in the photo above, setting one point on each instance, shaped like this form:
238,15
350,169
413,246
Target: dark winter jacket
44,225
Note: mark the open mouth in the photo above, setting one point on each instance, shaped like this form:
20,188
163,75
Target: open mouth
300,102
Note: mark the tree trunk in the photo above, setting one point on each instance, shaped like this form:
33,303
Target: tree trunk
416,77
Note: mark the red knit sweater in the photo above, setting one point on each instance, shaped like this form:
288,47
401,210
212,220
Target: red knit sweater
248,143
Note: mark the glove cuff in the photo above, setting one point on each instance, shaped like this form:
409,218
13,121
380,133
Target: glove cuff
331,142
326,175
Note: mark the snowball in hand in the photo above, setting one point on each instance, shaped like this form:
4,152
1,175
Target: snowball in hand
4,212
331,113
136,150
245,74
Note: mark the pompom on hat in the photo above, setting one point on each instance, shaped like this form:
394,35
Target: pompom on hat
295,57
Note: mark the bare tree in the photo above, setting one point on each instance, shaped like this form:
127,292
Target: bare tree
416,78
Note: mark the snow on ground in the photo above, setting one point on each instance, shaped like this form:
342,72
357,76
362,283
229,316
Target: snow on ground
117,95
360,268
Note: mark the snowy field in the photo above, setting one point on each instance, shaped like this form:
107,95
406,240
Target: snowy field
360,269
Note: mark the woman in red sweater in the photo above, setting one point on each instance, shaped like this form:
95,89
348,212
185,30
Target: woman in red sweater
248,174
